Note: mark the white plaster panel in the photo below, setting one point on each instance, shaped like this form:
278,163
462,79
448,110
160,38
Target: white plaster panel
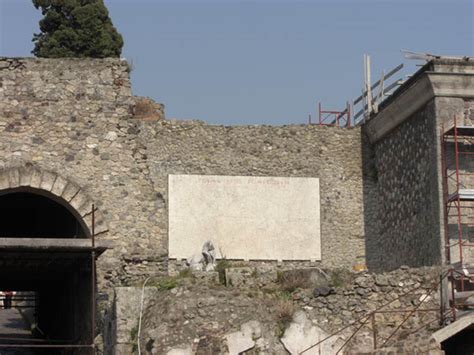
250,218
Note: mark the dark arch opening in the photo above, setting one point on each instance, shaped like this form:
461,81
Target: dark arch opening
27,213
461,343
54,267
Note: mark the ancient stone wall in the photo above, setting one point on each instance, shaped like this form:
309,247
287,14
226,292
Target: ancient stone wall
408,210
285,311
333,155
70,117
74,118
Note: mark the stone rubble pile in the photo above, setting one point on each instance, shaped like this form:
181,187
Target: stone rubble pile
265,312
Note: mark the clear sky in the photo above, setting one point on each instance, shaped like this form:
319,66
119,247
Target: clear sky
262,61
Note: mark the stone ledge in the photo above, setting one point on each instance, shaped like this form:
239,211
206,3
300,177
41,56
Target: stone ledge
413,95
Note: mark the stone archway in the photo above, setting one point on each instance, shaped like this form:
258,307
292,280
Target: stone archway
57,268
54,186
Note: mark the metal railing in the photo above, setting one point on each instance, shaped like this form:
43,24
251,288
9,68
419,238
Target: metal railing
441,316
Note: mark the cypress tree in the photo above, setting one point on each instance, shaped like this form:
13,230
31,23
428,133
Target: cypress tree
76,28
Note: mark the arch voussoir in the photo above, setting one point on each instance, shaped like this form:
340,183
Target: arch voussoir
4,180
47,180
25,175
14,177
35,181
85,208
99,226
70,191
59,186
77,199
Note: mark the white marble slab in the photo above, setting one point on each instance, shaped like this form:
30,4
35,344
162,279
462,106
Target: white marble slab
250,218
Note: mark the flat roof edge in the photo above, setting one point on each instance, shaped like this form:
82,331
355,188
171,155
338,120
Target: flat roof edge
415,95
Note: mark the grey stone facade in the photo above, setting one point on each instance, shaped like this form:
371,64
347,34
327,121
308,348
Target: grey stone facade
190,315
408,198
72,120
405,137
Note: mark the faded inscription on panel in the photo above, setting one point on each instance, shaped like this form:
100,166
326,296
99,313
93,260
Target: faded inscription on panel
250,218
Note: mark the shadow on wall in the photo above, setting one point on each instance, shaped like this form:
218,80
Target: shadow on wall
402,195
373,249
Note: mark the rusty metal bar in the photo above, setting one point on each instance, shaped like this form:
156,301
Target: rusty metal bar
349,123
374,331
458,206
93,281
453,300
319,112
444,171
425,324
336,118
408,316
441,300
353,334
412,290
407,310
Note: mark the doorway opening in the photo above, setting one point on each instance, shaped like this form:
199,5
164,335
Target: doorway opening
47,265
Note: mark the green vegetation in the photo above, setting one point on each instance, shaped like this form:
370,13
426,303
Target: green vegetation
76,28
221,265
185,273
167,283
254,273
285,311
291,281
133,338
340,277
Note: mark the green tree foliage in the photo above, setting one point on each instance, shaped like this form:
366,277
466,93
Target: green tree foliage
76,28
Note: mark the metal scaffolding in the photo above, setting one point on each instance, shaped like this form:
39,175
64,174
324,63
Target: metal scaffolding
457,150
333,118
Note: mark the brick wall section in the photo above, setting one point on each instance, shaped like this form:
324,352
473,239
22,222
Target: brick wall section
73,118
408,194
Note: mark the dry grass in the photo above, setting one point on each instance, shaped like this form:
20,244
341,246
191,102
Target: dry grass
292,281
284,311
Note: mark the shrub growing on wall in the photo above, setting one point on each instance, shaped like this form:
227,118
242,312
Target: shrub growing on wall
76,28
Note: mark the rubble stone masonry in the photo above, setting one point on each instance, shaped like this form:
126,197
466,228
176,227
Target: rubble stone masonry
407,185
74,118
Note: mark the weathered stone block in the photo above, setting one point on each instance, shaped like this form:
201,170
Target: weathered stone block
85,208
70,191
35,180
14,177
4,180
79,200
25,176
59,186
238,276
47,180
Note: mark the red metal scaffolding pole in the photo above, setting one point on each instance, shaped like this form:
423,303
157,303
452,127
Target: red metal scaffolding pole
333,117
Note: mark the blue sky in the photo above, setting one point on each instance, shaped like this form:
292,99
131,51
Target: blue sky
267,61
